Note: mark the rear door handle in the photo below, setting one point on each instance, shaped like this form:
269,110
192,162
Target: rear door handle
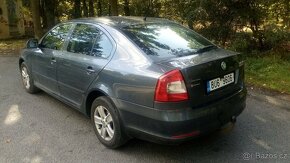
52,61
90,70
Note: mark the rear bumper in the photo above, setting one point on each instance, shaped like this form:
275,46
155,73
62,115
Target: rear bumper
181,123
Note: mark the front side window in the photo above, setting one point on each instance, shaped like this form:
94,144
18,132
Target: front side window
89,40
56,37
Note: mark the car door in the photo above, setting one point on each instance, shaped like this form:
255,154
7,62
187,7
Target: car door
44,59
88,50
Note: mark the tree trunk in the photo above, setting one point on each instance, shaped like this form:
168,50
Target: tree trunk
113,7
99,9
91,8
50,7
286,18
77,7
126,8
36,18
257,34
42,13
85,8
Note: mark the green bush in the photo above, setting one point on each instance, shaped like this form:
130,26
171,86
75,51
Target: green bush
242,42
275,36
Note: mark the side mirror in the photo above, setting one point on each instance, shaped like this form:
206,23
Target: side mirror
32,43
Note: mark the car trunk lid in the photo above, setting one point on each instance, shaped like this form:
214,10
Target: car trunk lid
198,69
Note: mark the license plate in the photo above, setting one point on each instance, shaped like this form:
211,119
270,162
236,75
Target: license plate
220,82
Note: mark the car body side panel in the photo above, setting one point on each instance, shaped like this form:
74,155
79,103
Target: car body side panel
73,77
44,69
26,56
130,75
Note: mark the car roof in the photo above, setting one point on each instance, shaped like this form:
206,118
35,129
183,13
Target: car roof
122,21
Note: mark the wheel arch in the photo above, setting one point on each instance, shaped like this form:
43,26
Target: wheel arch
21,60
90,99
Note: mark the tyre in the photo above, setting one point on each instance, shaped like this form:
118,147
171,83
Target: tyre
106,123
27,79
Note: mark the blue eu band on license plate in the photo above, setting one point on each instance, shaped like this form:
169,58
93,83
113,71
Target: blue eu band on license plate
220,82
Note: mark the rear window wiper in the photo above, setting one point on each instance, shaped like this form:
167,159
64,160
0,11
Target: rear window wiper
205,48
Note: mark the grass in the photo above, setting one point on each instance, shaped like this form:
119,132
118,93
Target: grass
269,71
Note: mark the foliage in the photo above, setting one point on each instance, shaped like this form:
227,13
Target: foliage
242,42
275,36
242,25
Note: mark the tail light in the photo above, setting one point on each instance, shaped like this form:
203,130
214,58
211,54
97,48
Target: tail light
171,88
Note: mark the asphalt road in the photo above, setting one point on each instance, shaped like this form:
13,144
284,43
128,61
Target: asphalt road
39,128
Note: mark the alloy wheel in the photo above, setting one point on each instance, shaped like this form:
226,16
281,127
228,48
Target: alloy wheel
104,123
25,77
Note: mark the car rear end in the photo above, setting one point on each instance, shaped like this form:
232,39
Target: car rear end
200,89
186,107
204,98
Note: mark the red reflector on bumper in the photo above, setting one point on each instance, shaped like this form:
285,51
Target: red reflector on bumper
191,134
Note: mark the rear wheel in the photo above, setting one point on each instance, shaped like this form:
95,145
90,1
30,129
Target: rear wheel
27,79
106,123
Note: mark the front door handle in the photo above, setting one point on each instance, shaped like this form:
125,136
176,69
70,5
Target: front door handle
90,70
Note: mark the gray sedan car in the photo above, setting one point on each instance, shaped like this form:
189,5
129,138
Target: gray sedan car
148,78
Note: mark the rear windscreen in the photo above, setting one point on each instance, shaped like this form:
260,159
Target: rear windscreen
165,40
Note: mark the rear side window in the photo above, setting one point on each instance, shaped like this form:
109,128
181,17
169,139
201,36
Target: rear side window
89,40
165,40
56,37
102,47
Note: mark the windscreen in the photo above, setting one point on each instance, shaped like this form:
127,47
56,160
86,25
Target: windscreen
166,40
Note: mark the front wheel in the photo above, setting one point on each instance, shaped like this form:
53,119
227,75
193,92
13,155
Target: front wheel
106,123
27,79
